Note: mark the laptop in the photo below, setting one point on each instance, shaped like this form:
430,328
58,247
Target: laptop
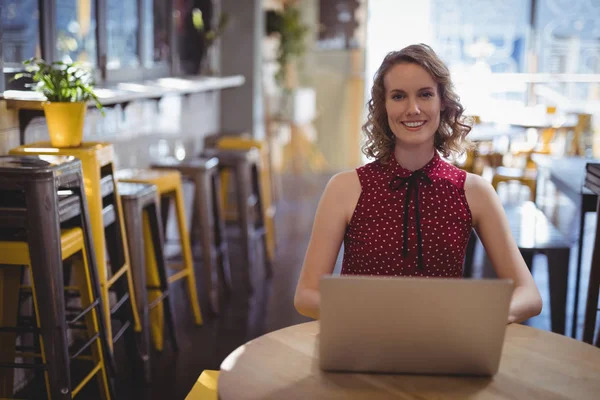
413,325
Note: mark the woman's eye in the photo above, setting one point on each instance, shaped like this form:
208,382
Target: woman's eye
427,94
397,96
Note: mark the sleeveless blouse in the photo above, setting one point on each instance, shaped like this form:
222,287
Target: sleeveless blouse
408,223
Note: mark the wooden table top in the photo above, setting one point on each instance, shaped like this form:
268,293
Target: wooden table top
535,364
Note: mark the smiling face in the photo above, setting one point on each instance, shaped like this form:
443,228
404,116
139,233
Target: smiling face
412,103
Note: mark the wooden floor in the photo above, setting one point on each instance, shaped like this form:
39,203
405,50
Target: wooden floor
270,307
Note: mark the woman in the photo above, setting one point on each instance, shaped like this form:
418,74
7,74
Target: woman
409,213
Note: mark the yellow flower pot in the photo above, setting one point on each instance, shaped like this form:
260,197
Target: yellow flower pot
65,123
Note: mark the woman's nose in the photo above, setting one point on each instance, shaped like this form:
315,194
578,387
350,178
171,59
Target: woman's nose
413,108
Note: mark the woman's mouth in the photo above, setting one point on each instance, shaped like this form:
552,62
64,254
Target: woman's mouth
413,125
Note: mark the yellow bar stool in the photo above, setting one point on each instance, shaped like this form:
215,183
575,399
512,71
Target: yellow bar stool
205,387
72,245
38,196
106,216
144,227
169,187
243,142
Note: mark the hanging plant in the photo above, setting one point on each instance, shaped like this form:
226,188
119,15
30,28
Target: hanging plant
292,33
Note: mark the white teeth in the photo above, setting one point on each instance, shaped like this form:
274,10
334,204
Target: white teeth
413,124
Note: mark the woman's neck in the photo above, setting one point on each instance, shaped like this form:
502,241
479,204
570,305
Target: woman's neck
414,157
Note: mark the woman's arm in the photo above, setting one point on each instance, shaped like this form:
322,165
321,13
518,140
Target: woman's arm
491,224
333,215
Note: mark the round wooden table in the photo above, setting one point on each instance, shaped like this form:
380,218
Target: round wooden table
535,364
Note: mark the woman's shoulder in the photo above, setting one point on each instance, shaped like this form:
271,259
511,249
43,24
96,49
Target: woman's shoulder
343,192
477,185
480,194
345,182
452,174
372,171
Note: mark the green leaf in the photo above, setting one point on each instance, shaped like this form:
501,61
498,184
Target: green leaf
60,81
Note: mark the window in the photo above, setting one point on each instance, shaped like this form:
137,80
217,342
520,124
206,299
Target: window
160,32
484,32
122,32
569,44
76,31
569,36
121,39
20,36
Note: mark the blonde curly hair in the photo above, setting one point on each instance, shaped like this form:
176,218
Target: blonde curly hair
450,138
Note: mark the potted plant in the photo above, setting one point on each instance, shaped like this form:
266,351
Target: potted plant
208,37
288,25
68,88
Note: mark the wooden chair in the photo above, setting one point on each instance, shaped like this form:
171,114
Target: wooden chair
583,127
592,181
535,234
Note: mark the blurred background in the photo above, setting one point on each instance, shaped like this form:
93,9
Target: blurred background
296,75
503,57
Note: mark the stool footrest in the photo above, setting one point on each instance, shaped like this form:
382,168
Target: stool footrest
115,277
108,215
158,300
85,346
83,313
19,329
177,276
125,326
85,380
119,304
107,186
82,327
23,348
23,366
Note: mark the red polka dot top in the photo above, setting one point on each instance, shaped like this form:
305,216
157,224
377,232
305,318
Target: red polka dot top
408,223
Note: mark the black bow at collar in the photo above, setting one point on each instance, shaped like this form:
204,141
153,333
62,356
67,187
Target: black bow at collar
413,186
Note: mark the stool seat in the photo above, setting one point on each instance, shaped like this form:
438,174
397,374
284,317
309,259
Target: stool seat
101,151
187,164
17,253
141,192
164,180
230,157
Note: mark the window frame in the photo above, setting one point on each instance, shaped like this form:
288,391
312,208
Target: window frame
103,75
143,72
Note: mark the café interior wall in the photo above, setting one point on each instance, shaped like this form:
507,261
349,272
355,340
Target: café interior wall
338,79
